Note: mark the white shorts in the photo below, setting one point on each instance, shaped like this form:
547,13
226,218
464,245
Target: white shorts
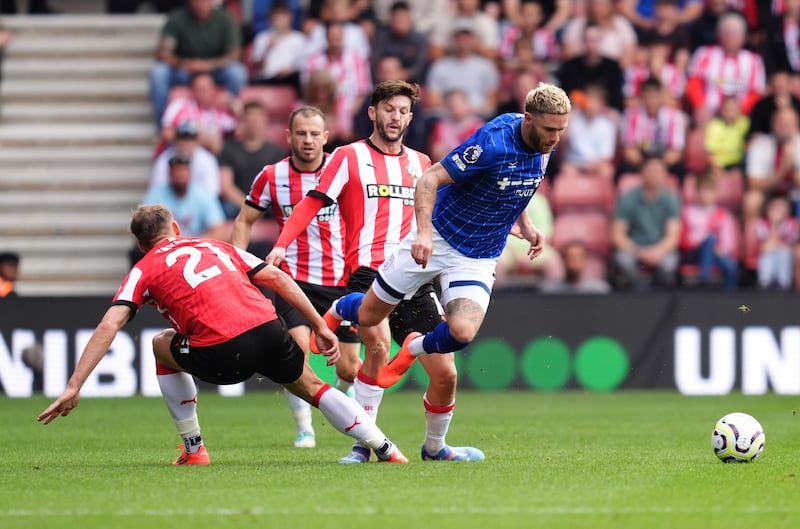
459,276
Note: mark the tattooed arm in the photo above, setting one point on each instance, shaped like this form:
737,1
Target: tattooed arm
424,200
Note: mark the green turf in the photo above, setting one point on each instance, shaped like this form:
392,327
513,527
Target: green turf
573,460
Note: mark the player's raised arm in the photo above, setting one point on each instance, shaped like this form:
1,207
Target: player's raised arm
114,319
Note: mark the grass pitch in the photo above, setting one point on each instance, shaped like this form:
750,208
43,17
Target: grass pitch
571,459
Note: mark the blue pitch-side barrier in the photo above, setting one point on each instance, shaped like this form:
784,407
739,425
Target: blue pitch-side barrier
699,344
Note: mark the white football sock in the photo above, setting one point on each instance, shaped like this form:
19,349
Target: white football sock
301,411
369,395
437,422
180,395
348,417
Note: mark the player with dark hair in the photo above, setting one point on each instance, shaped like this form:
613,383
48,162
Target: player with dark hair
315,259
466,205
224,331
373,182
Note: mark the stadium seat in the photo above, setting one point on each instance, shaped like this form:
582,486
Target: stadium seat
279,101
695,151
590,227
573,191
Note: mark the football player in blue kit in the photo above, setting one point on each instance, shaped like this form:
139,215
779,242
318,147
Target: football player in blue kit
465,205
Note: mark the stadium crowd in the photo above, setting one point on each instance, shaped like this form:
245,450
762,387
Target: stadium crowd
680,168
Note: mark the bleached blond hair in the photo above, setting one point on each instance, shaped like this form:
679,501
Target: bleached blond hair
547,99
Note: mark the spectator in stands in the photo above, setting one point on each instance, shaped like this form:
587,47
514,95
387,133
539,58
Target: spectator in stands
709,236
724,69
524,82
197,38
646,231
279,51
428,14
703,31
204,166
457,124
198,213
417,134
725,140
319,90
654,59
555,12
644,13
780,95
531,30
521,61
244,156
399,39
653,128
466,13
213,113
353,39
577,279
465,69
258,19
592,67
351,74
772,162
777,234
782,42
9,272
591,143
617,38
515,261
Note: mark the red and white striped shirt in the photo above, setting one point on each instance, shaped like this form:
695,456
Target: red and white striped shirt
673,78
375,192
741,75
654,134
317,255
208,120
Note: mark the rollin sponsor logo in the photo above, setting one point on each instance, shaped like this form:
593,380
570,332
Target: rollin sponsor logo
405,193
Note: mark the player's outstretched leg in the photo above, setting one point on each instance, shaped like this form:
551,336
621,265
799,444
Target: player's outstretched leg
349,418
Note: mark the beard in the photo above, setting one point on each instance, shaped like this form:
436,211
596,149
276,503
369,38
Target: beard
385,135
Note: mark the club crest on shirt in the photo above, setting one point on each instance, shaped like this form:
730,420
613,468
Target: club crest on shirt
412,171
472,153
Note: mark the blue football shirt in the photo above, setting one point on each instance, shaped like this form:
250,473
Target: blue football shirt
495,174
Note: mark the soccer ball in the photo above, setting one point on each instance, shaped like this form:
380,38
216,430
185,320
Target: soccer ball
738,438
